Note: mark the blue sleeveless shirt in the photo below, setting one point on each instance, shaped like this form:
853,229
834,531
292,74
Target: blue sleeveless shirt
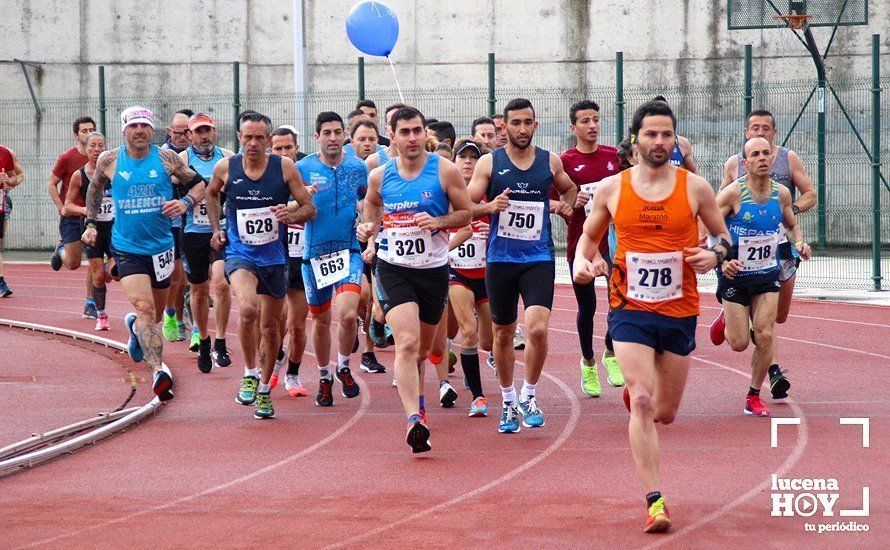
205,169
337,192
403,198
532,186
749,227
247,208
139,188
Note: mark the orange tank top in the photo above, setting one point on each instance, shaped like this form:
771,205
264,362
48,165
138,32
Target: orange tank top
649,272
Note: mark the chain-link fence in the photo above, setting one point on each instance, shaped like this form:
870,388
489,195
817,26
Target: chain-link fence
711,117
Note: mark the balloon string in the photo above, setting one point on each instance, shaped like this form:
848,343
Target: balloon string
398,86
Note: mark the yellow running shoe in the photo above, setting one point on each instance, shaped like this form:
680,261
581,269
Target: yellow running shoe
658,519
615,378
590,380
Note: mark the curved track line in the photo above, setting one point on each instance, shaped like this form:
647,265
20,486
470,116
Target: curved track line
563,437
366,402
793,458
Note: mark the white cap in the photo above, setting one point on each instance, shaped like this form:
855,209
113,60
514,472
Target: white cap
137,115
289,127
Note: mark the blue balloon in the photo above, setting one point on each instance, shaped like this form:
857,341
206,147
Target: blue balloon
372,27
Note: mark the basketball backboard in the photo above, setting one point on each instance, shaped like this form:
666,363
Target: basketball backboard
759,14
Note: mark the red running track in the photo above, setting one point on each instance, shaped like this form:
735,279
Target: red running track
204,473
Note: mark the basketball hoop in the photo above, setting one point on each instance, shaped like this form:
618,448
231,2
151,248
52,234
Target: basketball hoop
796,21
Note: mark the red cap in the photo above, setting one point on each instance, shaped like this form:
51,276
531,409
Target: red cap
201,120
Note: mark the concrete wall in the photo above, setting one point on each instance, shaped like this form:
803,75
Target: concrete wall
170,46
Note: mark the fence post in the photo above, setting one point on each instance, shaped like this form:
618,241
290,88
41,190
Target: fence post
820,163
876,159
236,97
619,97
491,92
103,108
749,84
361,78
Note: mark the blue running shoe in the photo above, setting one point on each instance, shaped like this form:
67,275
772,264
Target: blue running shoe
509,419
247,392
4,289
479,407
133,347
532,417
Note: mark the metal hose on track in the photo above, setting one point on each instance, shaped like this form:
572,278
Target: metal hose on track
65,440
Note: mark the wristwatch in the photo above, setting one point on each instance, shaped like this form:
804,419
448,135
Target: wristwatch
795,209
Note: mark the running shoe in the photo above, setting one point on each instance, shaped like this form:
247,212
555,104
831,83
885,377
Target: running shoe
168,327
133,347
89,310
479,407
755,407
195,342
447,395
263,404
325,395
509,423
370,364
377,332
182,331
452,360
418,437
778,384
55,261
220,356
279,364
350,386
532,417
205,361
658,520
102,322
625,396
162,384
293,386
5,291
590,380
247,393
718,330
615,378
518,339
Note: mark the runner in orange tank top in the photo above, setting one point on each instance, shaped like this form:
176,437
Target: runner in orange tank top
653,297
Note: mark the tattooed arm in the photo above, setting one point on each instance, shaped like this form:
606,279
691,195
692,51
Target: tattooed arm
105,165
182,172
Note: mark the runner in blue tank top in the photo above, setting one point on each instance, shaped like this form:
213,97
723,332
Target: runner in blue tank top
756,209
203,264
789,170
144,204
258,186
332,261
412,196
516,182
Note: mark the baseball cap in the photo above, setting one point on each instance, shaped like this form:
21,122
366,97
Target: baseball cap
137,115
467,145
201,119
289,127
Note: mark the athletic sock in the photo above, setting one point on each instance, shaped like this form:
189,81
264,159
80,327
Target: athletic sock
508,395
528,390
436,359
280,354
325,372
170,311
652,498
753,392
2,280
263,388
99,297
774,369
205,344
219,343
414,418
293,367
421,404
342,362
469,362
255,372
